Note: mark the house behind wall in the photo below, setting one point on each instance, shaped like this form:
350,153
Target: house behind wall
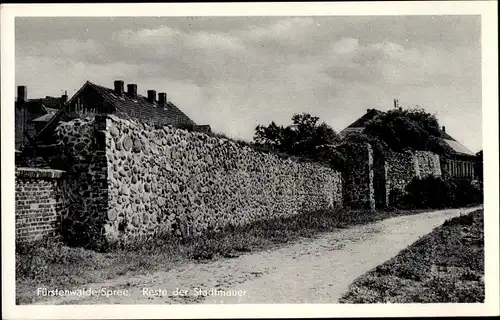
31,115
459,162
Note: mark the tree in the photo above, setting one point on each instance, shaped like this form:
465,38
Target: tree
301,138
379,147
270,136
407,129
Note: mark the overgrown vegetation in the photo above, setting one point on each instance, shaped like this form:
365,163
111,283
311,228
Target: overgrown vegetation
435,192
301,138
395,130
444,266
56,265
404,129
305,140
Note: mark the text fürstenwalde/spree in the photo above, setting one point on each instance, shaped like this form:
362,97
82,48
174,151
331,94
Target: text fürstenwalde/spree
86,292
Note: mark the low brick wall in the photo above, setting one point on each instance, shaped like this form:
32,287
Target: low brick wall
38,203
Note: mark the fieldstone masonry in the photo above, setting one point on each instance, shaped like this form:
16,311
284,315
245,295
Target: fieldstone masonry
125,181
402,167
427,163
401,170
85,189
166,180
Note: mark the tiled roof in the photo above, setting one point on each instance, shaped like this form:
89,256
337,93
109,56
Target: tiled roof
53,102
446,136
369,115
204,128
27,114
458,147
44,118
350,130
139,108
47,102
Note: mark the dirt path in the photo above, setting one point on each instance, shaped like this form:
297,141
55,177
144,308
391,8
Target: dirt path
315,270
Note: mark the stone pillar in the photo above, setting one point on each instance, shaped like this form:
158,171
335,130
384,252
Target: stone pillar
416,166
358,189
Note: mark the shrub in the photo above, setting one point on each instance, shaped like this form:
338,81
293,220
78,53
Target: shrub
412,128
435,192
399,199
429,192
464,191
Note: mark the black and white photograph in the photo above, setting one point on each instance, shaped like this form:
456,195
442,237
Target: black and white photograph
239,159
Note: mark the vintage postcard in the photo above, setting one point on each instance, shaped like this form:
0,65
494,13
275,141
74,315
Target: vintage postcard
249,160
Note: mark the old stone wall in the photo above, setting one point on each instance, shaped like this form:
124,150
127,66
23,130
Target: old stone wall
358,190
38,203
380,182
402,167
171,181
428,163
126,180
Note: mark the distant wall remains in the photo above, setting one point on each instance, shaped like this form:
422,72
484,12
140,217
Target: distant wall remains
402,167
428,164
38,203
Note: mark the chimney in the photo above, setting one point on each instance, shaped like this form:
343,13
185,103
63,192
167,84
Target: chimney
22,93
151,96
64,97
132,90
396,103
119,87
162,99
444,129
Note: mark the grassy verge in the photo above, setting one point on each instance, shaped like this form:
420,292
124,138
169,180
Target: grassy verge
447,265
54,265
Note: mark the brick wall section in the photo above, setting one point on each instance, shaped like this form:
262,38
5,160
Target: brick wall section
38,203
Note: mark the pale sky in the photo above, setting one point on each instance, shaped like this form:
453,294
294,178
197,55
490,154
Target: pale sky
234,73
